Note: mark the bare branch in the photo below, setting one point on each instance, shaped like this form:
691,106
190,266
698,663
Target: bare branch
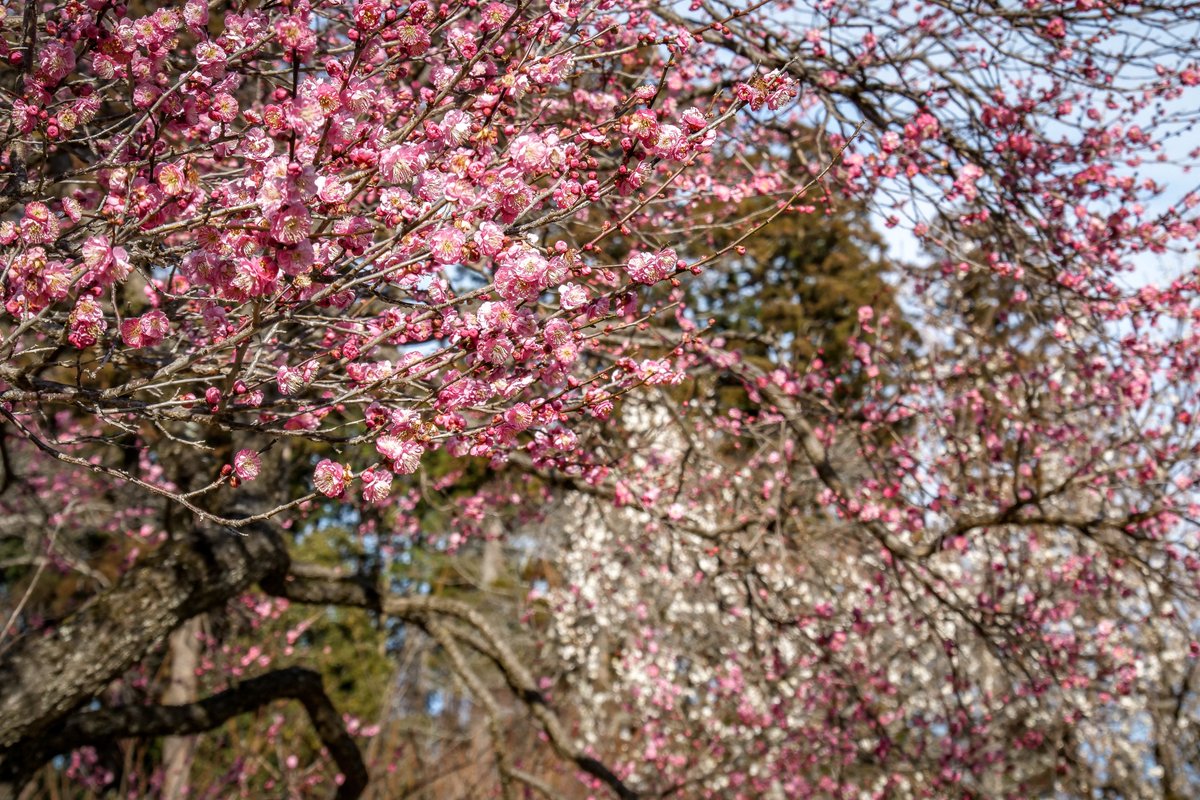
419,610
292,683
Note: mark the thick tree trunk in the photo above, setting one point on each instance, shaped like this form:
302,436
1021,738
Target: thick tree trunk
43,679
178,751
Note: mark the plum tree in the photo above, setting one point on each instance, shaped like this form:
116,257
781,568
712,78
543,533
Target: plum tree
434,274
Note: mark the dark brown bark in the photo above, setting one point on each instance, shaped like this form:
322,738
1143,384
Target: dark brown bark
44,681
314,585
181,720
45,678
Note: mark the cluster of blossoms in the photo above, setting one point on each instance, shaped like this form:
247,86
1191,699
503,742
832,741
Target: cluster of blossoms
348,184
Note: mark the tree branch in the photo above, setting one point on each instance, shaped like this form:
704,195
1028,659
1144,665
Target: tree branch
293,683
419,610
44,678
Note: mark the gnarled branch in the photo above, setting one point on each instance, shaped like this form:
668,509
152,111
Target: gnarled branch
45,678
125,722
419,610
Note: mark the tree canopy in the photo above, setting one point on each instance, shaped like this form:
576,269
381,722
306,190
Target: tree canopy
512,399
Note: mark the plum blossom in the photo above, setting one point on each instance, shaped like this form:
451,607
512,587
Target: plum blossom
55,62
291,380
489,239
965,182
330,478
572,296
40,225
641,124
446,245
670,143
405,456
145,331
296,35
461,217
650,268
519,417
171,179
247,464
497,315
494,15
291,225
414,38
72,209
556,68
400,163
694,118
224,108
520,279
530,151
657,372
296,260
211,60
108,264
495,349
376,485
195,14
86,323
